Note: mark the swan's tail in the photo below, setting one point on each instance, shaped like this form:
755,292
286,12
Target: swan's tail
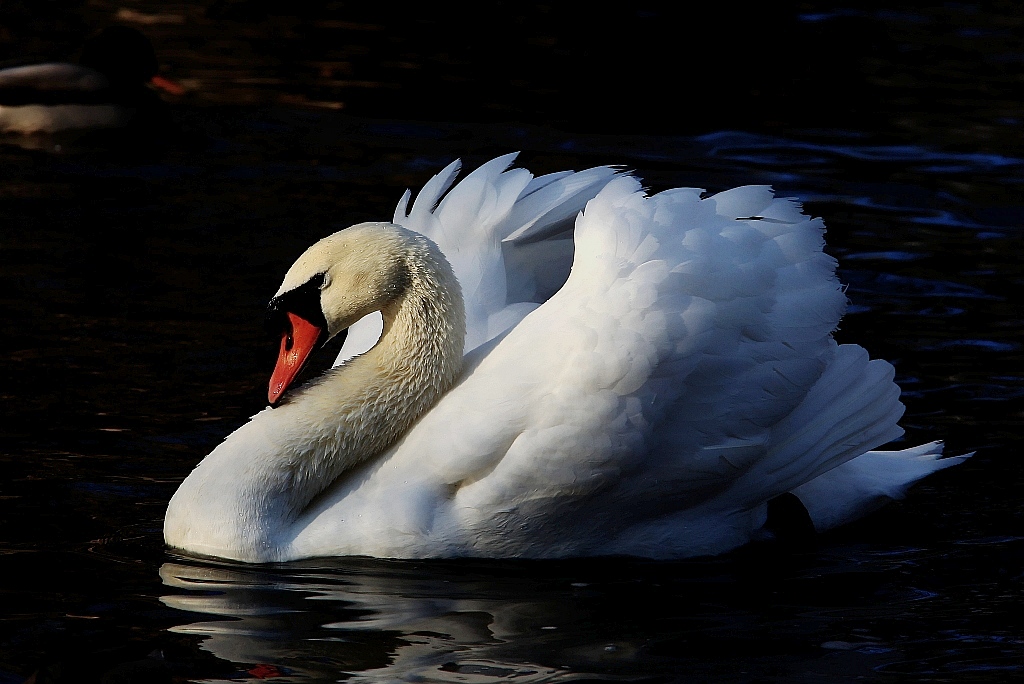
868,482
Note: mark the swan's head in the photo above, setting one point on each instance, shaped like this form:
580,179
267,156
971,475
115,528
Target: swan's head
337,281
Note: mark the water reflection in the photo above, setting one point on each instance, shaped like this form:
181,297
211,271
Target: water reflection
604,619
785,614
403,621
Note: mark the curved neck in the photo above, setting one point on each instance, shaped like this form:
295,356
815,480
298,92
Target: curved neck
356,411
242,500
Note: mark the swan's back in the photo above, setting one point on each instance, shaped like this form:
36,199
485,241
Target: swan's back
683,375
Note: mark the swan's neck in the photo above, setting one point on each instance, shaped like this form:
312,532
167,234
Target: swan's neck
243,499
358,410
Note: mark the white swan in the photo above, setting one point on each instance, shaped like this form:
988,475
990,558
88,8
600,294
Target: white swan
650,403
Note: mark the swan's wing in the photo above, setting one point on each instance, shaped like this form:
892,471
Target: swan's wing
687,330
492,227
464,229
468,219
491,214
684,374
538,249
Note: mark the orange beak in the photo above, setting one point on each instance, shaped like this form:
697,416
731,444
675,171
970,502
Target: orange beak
167,85
298,340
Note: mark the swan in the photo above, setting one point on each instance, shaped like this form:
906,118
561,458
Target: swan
106,89
555,366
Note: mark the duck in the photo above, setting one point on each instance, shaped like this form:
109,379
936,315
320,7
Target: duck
557,366
106,89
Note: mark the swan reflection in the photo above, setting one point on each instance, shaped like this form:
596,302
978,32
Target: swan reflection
391,621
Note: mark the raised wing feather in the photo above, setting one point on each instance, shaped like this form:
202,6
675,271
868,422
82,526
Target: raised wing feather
476,224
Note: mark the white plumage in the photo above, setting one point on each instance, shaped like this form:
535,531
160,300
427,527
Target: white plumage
649,402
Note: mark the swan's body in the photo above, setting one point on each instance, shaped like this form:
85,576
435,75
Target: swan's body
682,377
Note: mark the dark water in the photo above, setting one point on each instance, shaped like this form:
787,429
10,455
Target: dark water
134,270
